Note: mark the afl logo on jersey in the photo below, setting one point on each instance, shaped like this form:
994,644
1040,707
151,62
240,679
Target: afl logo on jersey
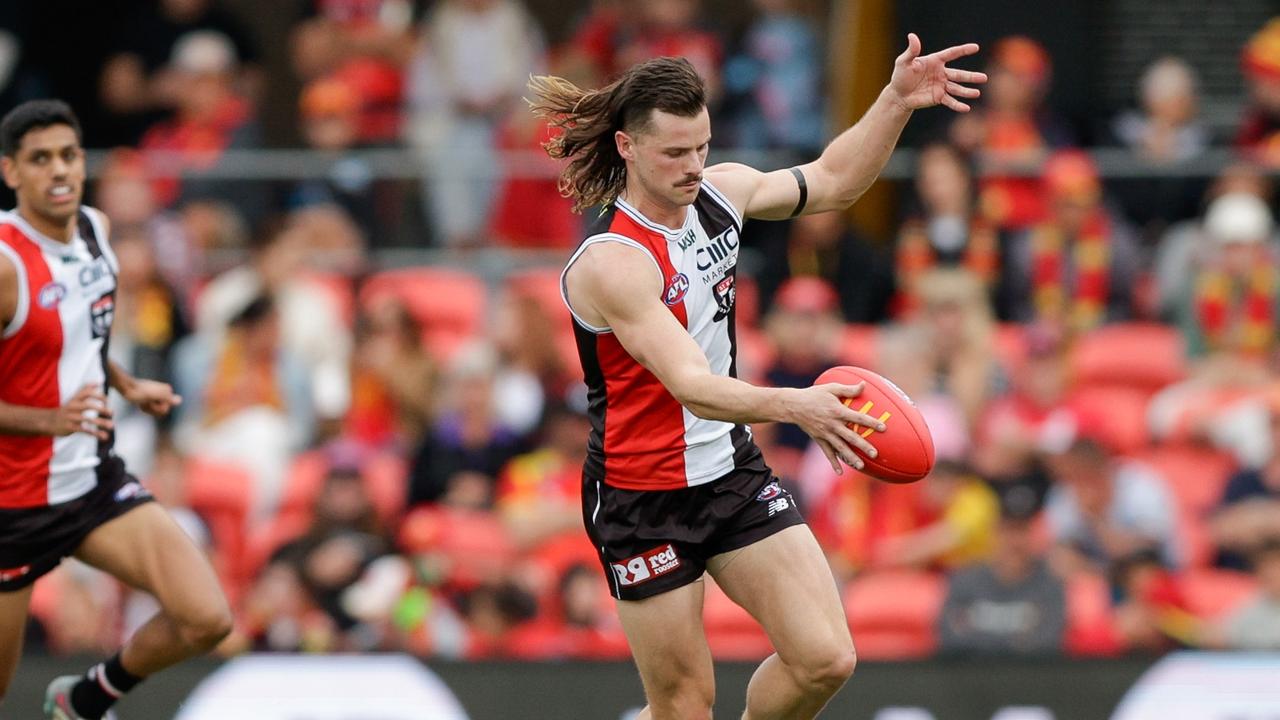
676,289
51,294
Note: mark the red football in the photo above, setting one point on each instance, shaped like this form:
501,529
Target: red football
905,448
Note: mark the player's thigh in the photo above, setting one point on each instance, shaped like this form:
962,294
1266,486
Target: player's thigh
146,549
13,621
784,581
668,641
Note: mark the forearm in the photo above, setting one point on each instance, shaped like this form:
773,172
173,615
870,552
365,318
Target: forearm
119,378
23,420
717,397
855,158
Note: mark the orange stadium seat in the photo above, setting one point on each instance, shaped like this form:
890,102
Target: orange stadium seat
721,613
1196,475
450,304
1139,355
746,300
543,285
473,544
1212,593
1114,415
221,493
893,614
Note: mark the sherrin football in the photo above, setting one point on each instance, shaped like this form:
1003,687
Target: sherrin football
904,451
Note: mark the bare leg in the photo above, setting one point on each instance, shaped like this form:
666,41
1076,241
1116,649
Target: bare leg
667,639
785,583
13,621
146,549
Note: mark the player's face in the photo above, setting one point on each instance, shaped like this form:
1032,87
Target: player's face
667,157
47,173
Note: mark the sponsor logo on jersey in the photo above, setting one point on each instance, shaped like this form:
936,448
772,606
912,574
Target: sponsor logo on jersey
687,241
722,247
101,313
51,294
676,289
646,566
7,574
769,492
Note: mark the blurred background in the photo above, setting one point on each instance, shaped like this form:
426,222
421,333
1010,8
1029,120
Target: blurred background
341,242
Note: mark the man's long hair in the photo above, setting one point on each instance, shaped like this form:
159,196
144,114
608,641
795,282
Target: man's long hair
586,121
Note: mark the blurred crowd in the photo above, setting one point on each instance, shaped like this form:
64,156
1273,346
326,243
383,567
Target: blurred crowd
390,459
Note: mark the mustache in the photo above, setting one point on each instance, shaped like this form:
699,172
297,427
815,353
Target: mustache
690,179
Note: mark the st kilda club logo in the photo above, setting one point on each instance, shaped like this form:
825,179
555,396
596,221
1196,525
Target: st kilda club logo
101,313
725,292
676,289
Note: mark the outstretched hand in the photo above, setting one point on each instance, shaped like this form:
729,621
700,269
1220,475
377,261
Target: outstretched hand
924,81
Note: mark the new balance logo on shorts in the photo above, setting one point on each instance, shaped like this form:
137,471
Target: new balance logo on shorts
646,566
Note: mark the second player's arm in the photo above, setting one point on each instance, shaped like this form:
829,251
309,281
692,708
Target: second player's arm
620,284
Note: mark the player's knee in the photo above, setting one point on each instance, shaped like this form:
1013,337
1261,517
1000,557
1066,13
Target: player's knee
206,628
683,698
829,668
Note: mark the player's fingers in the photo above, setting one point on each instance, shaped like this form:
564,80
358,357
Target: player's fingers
841,390
956,51
100,422
852,417
831,455
913,49
966,76
175,399
855,440
958,90
954,104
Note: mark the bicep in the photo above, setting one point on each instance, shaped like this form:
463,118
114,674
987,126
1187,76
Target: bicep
620,284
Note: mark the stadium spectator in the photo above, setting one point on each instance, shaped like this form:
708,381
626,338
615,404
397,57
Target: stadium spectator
773,83
367,44
1166,129
139,83
1258,136
1034,419
1012,603
460,94
1249,510
963,533
149,322
531,369
491,612
210,117
1230,306
1256,625
1012,130
826,246
461,455
394,380
943,356
279,254
1101,509
277,615
1078,267
538,495
1152,613
947,230
804,327
246,400
1180,245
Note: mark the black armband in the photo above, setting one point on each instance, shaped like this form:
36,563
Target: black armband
804,191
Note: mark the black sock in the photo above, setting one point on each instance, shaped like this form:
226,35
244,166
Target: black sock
101,686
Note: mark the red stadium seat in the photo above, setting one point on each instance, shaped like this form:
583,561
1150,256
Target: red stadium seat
746,300
450,304
894,614
1140,355
1212,593
739,645
473,544
543,285
722,614
1113,415
386,478
1196,475
221,494
1090,627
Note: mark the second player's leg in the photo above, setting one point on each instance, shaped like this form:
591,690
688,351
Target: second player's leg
785,583
147,550
670,648
13,621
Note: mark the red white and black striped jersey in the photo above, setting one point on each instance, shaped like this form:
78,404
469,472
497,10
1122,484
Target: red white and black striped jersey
55,344
642,438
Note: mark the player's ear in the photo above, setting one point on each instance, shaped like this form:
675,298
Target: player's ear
10,169
626,147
